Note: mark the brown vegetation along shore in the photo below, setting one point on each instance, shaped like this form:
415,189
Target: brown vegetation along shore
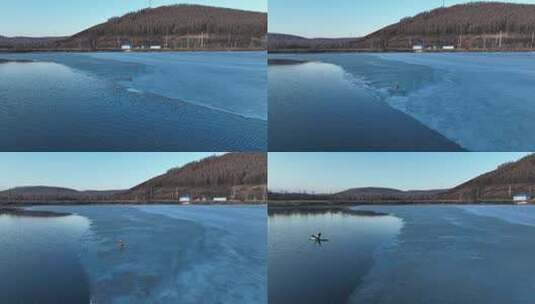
288,210
31,213
478,26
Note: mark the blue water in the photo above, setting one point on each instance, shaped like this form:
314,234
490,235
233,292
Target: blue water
173,254
132,101
480,101
303,271
39,260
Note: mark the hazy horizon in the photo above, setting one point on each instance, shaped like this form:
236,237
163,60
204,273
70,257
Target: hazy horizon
334,172
88,171
57,18
327,19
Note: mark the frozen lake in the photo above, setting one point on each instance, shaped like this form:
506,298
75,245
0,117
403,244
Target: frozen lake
478,101
134,101
416,254
173,254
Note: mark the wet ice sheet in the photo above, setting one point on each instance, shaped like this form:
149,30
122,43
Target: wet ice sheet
449,255
230,82
175,254
482,101
230,266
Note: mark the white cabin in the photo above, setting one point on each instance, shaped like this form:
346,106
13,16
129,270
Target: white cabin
448,47
126,47
521,198
185,199
418,48
155,47
220,199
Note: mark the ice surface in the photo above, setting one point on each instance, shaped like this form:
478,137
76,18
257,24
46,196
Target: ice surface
482,101
524,215
449,255
231,82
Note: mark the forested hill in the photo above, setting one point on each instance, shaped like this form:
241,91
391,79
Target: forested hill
500,184
177,27
477,25
187,27
237,176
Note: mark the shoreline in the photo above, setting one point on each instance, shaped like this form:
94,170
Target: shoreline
15,211
320,51
329,204
323,209
130,51
122,202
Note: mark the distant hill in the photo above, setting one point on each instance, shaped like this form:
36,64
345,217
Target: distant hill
374,193
366,194
239,176
28,42
43,193
236,176
280,42
472,26
170,27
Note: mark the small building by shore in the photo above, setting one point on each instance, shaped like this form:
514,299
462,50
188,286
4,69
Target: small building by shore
185,199
521,198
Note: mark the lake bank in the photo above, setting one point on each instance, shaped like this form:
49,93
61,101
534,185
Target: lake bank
38,50
379,51
125,202
30,213
298,204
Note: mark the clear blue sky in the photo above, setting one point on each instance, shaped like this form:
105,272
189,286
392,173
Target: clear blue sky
331,172
66,17
87,171
345,18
